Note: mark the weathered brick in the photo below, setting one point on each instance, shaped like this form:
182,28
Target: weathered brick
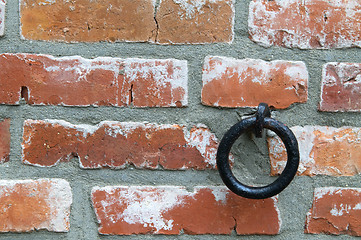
323,151
229,82
335,211
123,210
28,205
4,140
156,83
75,81
2,17
117,145
194,21
341,87
87,20
305,24
175,21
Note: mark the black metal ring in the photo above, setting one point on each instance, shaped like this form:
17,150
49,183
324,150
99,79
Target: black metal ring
281,182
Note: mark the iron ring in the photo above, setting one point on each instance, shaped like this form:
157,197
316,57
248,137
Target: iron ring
281,182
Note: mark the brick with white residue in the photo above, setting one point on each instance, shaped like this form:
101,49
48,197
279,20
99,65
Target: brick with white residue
323,151
122,210
336,211
2,17
119,144
103,81
341,87
305,24
28,205
229,82
195,22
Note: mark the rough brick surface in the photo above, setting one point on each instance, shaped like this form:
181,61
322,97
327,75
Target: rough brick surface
176,21
75,81
229,82
335,211
323,151
155,83
4,140
194,21
27,205
2,17
305,24
117,145
87,20
170,210
341,87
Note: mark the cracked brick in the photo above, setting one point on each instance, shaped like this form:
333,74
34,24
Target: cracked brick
341,87
172,22
103,81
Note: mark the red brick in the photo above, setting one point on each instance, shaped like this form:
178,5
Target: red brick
75,81
305,24
184,21
117,145
28,205
175,21
157,83
2,16
341,87
323,151
4,140
123,210
88,21
229,82
335,211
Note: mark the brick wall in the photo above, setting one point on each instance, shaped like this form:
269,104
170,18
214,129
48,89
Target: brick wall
111,112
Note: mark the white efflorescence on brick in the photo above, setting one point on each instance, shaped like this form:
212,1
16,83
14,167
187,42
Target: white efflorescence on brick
2,17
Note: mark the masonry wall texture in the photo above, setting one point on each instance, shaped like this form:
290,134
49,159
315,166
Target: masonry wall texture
111,112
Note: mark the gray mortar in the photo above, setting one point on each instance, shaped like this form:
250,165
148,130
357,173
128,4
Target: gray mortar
252,157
